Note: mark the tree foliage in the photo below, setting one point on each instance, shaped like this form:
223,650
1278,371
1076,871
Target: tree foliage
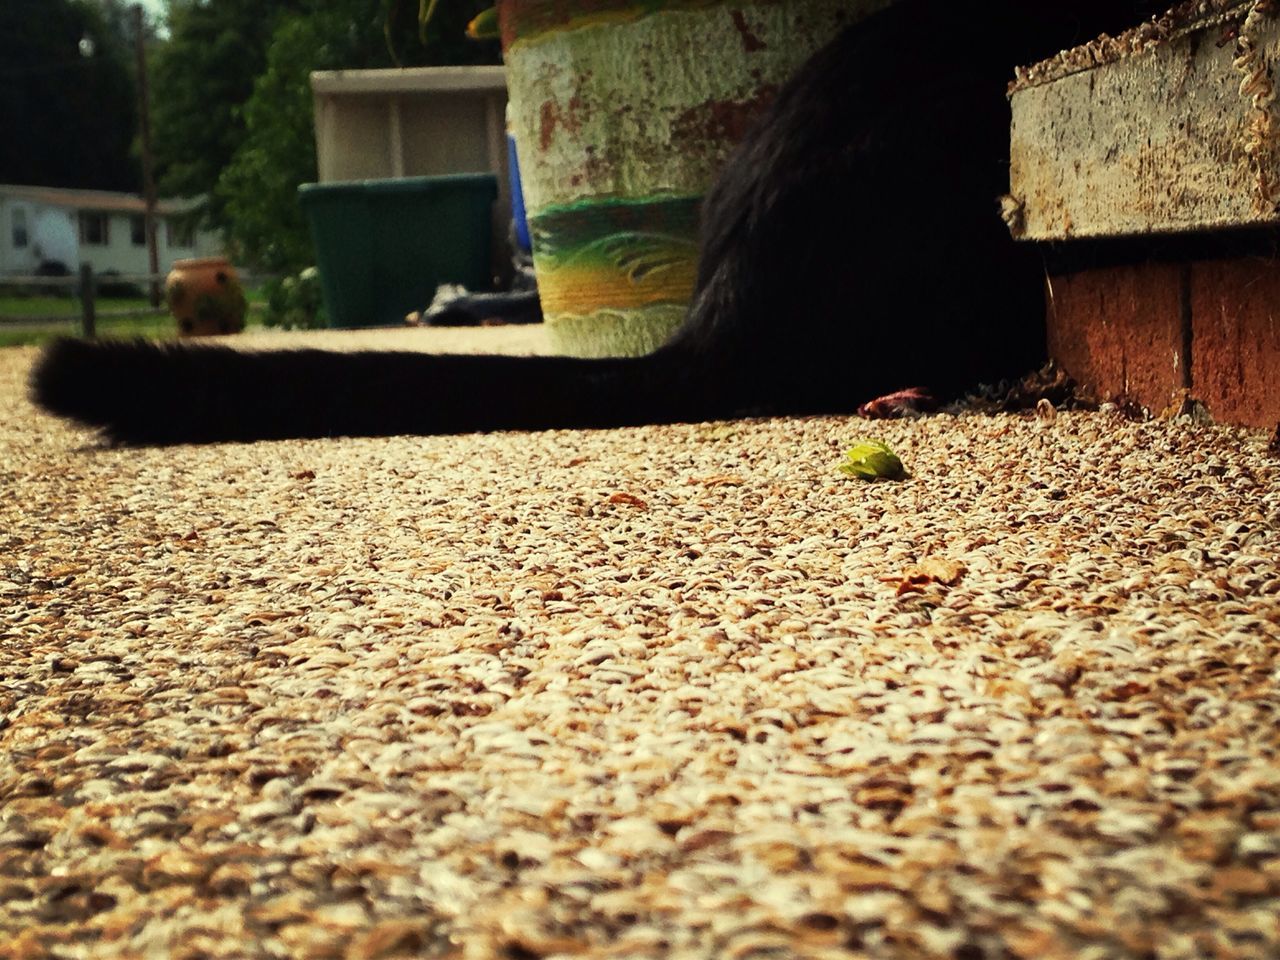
201,78
257,189
67,109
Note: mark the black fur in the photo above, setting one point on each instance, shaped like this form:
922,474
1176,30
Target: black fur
852,246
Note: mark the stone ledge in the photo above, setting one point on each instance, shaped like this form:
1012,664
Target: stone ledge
1168,139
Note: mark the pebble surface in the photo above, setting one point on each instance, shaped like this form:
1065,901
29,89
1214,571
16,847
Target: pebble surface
681,691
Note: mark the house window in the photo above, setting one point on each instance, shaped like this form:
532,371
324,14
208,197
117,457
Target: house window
18,220
138,231
181,234
94,230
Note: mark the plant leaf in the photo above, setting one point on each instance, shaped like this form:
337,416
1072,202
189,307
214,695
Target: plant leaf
426,10
484,26
872,460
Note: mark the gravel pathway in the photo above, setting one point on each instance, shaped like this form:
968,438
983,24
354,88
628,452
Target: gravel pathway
675,691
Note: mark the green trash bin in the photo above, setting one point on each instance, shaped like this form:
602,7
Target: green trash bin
383,246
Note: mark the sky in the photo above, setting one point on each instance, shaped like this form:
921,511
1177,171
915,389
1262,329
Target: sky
155,11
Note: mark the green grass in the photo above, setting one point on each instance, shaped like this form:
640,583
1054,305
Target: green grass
53,306
51,316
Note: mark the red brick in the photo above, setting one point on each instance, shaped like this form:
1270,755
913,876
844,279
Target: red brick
1235,311
1118,330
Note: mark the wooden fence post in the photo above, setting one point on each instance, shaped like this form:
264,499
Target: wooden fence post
148,163
88,290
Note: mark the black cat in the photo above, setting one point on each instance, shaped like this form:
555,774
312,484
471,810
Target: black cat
852,246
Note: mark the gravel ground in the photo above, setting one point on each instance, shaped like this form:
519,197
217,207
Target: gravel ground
664,692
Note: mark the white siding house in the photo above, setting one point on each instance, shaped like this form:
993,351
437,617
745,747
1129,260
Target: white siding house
40,225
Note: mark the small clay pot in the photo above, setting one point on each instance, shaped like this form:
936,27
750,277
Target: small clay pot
205,297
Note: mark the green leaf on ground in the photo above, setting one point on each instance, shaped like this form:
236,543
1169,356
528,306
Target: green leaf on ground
872,460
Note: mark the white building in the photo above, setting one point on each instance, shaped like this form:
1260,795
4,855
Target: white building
43,225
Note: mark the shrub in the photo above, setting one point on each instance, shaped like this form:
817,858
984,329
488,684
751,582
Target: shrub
295,303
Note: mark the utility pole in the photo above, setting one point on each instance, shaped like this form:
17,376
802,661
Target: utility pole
148,166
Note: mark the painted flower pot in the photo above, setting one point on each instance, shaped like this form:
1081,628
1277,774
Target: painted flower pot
205,297
623,111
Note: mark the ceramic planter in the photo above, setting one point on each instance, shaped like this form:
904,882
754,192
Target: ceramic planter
623,111
205,297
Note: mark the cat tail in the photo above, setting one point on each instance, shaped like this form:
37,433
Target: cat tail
141,393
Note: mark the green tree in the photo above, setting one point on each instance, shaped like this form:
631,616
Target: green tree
257,190
200,80
67,100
